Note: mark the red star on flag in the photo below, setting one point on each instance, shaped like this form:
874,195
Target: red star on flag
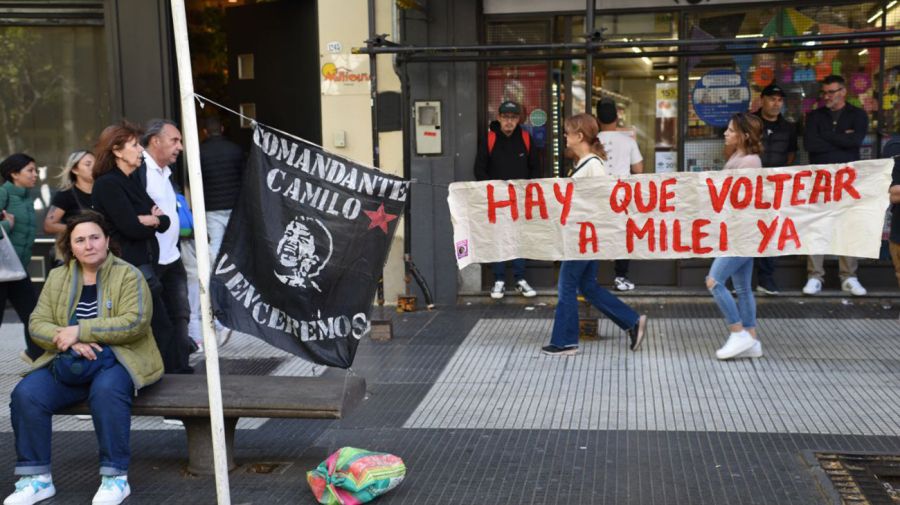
380,218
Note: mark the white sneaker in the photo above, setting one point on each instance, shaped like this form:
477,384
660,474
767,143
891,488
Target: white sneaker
497,290
523,287
113,490
813,287
83,417
853,286
31,489
623,284
736,344
753,352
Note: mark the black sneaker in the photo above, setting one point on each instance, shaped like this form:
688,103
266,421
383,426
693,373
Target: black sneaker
636,334
553,350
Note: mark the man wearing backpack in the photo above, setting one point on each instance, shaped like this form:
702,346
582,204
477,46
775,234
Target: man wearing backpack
507,154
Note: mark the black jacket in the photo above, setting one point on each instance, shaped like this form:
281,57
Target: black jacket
222,165
779,140
508,160
830,143
121,199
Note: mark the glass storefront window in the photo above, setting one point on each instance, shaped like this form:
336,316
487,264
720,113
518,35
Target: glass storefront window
891,101
526,83
55,98
892,19
643,87
798,73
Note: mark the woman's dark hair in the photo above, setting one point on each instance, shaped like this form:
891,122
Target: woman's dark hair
112,138
13,164
750,127
63,242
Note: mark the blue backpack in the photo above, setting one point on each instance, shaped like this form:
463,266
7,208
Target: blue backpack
185,218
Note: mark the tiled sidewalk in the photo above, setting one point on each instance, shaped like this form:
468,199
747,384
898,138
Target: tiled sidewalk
480,416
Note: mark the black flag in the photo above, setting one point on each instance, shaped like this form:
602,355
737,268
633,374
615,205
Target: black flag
305,247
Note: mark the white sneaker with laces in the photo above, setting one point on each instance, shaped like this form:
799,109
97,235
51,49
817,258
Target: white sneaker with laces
623,284
497,290
813,287
113,490
523,287
853,286
736,344
753,352
31,489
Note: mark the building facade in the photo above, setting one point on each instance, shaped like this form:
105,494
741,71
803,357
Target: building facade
75,66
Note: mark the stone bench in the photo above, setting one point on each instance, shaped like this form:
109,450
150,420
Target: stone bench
185,397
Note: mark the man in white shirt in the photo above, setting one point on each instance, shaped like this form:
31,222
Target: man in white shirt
623,159
162,145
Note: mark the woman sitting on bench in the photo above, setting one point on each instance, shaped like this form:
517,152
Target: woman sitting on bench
93,322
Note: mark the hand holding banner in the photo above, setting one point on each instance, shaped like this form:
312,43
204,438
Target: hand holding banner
815,209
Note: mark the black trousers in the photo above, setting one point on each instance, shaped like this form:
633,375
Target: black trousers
765,270
621,267
171,314
24,299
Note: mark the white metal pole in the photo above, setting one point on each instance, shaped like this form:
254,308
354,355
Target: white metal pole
192,143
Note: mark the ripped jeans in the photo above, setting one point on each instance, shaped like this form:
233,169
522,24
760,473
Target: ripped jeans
740,270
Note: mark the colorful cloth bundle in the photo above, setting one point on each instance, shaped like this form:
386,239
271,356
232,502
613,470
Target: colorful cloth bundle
351,476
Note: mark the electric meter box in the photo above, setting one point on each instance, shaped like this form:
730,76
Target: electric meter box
428,127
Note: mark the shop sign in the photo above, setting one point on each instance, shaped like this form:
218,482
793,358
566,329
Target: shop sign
720,94
344,74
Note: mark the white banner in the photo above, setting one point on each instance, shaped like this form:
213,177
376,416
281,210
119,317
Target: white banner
816,209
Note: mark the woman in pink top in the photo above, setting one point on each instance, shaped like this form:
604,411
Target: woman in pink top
744,135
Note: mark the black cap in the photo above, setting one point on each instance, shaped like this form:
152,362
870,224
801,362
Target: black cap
773,89
606,111
510,107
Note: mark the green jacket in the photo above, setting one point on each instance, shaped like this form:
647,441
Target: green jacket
18,202
124,323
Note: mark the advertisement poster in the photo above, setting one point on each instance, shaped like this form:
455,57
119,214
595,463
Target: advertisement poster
666,114
665,162
718,95
344,74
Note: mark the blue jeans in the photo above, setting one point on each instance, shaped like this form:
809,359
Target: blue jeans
39,395
518,266
581,276
740,270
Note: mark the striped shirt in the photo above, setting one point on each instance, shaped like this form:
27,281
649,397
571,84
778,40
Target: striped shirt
87,304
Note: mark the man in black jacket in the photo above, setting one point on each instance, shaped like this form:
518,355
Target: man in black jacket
834,134
779,150
508,154
222,166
